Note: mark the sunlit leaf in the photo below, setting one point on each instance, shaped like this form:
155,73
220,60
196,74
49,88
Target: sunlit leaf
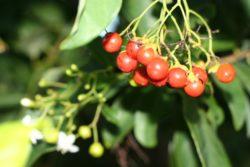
91,21
15,144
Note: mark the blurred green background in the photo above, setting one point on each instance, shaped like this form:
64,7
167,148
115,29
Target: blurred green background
30,34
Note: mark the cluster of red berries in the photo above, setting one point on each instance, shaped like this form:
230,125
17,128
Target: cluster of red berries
148,67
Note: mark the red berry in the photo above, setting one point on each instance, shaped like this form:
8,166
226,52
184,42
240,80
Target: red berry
200,74
160,83
140,77
194,89
132,48
157,69
145,55
226,73
125,63
112,42
177,78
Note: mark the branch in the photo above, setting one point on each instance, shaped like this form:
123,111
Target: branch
237,56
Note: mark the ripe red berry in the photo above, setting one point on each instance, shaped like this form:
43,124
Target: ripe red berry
132,48
177,78
140,77
226,73
200,74
157,69
194,89
145,55
125,63
112,42
160,83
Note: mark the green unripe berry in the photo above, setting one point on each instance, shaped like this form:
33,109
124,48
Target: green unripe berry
85,132
51,136
42,83
132,83
26,102
87,86
96,150
74,67
69,72
81,97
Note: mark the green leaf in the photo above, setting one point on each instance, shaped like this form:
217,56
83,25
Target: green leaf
37,151
53,74
222,45
246,5
80,10
215,113
91,21
243,71
237,101
133,8
209,148
123,121
15,144
145,129
181,152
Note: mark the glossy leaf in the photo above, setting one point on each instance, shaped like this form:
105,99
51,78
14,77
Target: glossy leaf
91,21
209,148
237,102
145,129
181,152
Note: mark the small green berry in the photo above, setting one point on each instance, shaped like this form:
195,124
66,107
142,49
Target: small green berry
42,83
69,72
26,102
51,136
133,83
87,86
85,132
74,67
96,150
81,97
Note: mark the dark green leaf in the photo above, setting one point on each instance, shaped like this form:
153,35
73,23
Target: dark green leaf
209,148
37,151
222,45
181,152
123,121
215,113
237,101
243,71
96,16
145,129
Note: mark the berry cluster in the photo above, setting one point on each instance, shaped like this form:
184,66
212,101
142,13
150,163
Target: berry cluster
149,67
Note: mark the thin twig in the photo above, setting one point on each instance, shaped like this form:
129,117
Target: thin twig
237,56
132,143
